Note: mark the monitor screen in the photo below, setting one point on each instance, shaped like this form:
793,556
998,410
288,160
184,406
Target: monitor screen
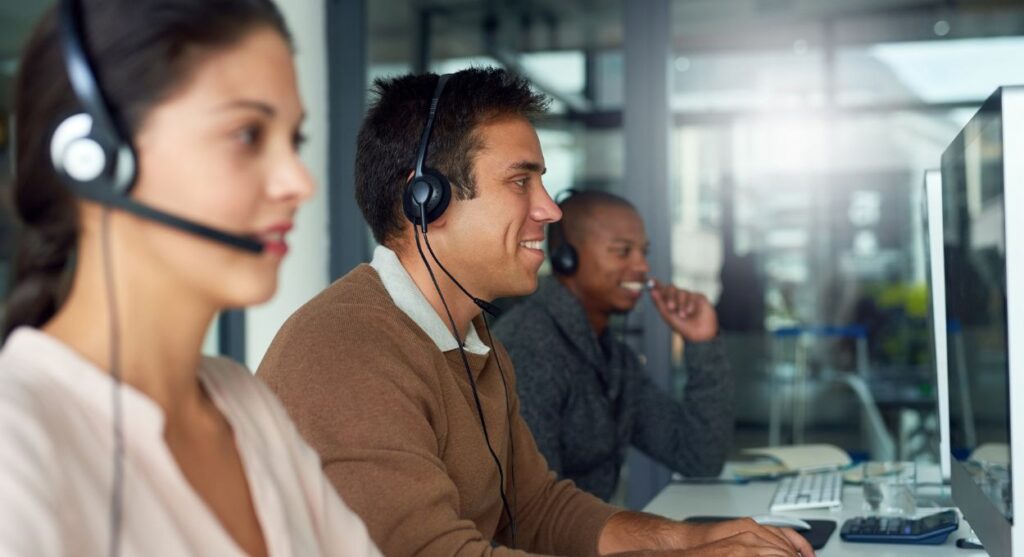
976,310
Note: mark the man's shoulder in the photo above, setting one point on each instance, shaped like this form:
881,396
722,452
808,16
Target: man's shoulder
360,287
353,322
355,305
528,319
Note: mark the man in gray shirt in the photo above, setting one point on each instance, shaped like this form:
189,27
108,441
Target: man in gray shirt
584,392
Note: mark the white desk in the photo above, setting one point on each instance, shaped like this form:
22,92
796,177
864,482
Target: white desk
678,501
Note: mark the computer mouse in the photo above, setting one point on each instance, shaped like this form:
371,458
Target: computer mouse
782,522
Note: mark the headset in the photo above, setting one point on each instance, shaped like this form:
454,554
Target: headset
428,194
94,157
424,200
93,154
565,260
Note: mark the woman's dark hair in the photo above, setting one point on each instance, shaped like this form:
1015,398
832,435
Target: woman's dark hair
142,51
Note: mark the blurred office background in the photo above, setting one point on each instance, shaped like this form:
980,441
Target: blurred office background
776,149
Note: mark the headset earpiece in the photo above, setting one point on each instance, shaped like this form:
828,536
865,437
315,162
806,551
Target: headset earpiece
85,160
74,152
427,195
564,260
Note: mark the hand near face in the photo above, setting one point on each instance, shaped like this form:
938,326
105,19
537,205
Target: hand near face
688,313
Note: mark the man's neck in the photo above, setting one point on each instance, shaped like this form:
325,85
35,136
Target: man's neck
597,318
462,309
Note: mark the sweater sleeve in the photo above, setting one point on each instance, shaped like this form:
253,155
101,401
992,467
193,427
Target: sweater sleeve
377,425
554,515
692,436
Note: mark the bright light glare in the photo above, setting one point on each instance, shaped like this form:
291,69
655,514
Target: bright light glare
969,69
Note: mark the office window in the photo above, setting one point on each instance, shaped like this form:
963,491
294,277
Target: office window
777,78
797,171
929,71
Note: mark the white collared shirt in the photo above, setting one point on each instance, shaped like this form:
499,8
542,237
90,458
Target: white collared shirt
409,299
56,465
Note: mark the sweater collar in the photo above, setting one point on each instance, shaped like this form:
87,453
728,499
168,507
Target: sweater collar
410,300
568,314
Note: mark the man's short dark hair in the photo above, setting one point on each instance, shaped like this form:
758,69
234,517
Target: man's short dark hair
577,210
390,134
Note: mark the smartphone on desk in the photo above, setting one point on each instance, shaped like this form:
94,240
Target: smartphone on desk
927,530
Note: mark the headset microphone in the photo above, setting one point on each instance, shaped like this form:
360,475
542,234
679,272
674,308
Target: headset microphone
91,151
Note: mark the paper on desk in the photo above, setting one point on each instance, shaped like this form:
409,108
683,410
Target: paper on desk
795,458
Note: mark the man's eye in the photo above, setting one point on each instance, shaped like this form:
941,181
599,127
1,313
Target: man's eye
521,182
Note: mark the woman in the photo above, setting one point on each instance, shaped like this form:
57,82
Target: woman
190,455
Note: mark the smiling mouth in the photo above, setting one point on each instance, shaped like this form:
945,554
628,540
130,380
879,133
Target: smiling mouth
637,286
537,245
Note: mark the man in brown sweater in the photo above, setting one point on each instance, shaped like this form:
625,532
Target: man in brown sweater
386,372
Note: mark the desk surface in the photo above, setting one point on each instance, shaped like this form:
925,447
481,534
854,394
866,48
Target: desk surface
678,501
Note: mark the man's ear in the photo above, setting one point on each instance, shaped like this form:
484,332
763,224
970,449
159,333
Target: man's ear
442,220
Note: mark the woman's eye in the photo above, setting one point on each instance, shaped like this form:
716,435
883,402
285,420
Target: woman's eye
249,135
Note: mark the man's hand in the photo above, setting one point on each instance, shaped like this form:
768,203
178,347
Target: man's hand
740,532
641,534
747,544
688,313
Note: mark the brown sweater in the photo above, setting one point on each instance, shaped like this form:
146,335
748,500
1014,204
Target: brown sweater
397,430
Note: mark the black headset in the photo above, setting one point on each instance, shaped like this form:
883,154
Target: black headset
91,151
424,201
429,192
565,260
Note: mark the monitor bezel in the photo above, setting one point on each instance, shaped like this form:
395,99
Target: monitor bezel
935,258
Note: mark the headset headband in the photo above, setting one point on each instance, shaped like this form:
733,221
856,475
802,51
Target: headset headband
82,74
421,155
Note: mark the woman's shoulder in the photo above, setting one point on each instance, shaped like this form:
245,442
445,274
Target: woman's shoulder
29,426
232,380
26,380
240,393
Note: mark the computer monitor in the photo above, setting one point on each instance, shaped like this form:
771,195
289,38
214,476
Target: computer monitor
983,228
937,309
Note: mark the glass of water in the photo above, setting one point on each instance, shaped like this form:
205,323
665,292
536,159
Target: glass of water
890,488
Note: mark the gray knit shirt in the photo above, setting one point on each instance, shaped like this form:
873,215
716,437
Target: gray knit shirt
587,399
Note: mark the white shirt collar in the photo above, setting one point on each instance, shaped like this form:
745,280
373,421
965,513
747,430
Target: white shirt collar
408,298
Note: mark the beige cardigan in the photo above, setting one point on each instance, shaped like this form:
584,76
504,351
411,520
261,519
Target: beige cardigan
398,433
